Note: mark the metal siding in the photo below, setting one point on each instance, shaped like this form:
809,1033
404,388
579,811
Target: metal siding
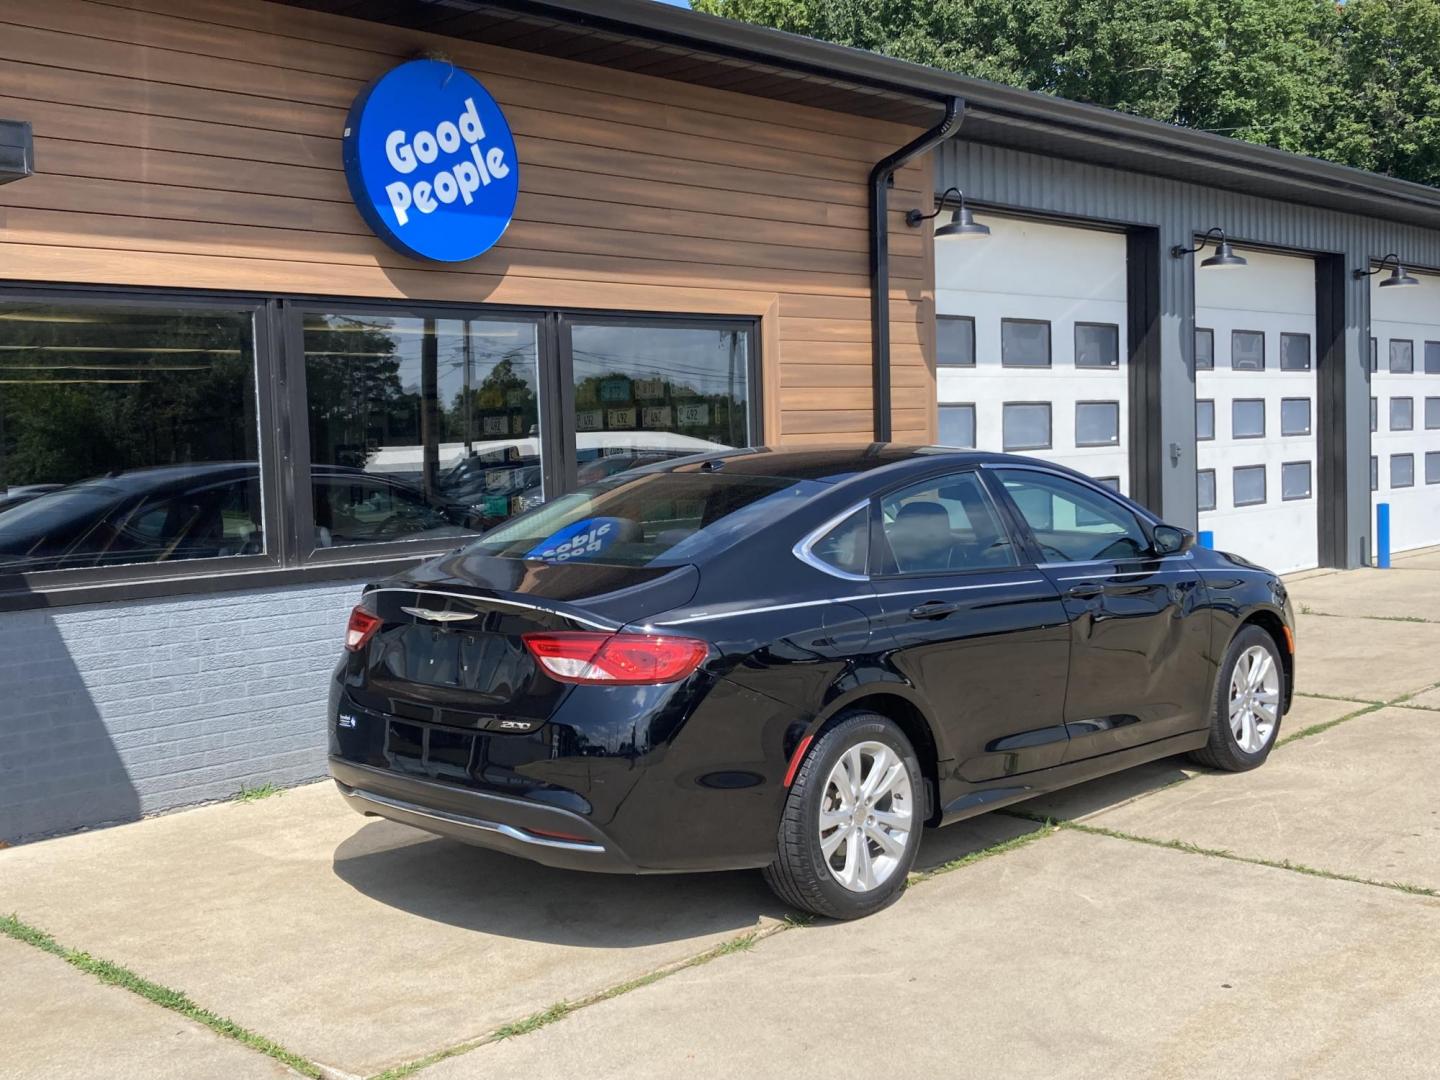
1032,183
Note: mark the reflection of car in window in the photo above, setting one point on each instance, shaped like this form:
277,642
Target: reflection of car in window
207,511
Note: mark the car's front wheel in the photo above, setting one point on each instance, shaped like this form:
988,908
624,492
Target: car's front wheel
852,820
1249,700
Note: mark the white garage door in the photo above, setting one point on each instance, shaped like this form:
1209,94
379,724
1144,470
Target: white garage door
1405,409
1031,327
1255,401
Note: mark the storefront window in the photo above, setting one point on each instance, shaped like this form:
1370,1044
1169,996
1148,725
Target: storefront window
420,427
646,393
128,434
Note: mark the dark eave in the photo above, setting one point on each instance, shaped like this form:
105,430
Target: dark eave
675,43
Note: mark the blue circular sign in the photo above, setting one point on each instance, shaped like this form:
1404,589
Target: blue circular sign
431,162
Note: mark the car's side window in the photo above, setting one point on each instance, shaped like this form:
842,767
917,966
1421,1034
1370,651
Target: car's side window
1073,522
846,547
946,523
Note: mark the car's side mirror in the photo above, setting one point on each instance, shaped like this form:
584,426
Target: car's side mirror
1172,540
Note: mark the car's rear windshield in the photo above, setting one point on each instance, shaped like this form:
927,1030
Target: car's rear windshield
647,519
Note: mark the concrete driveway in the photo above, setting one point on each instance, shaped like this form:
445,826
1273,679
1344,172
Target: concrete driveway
1165,922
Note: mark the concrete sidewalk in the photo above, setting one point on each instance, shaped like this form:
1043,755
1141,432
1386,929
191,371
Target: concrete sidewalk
1283,922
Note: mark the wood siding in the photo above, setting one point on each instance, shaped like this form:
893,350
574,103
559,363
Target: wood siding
202,150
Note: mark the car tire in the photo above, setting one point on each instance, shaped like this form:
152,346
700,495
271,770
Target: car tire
1233,746
807,876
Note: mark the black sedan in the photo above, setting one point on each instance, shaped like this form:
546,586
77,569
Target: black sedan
794,660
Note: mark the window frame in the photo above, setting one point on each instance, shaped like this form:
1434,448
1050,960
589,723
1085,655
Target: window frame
1429,456
1049,427
1195,351
1390,359
1309,486
974,421
1049,344
1429,349
283,439
1393,458
882,564
1199,402
939,318
1214,491
1427,425
1075,346
1264,420
1309,418
1309,351
1264,499
1264,350
1390,419
1085,445
77,585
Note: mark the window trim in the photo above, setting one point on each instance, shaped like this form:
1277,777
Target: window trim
1390,419
1401,487
284,437
1049,344
1049,427
1309,350
974,349
76,585
803,550
1264,350
1309,418
1264,499
1075,346
1264,421
1310,472
1195,352
1211,436
1390,367
1118,425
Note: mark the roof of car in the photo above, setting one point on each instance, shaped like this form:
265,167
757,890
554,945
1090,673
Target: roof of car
832,464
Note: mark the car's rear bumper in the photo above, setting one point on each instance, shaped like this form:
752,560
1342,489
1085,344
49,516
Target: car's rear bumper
543,834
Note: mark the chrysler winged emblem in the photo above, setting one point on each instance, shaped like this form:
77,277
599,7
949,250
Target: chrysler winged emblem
439,616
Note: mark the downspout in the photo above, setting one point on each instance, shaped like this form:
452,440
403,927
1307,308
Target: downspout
880,177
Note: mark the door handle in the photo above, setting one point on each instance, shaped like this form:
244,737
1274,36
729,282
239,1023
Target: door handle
1086,590
933,609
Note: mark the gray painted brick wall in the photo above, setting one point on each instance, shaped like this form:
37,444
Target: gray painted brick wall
111,711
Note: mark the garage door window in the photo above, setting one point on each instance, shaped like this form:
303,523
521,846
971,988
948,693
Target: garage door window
1374,473
1295,416
1247,418
955,340
1402,470
1432,413
1026,425
1295,480
1432,358
1432,467
1247,350
1097,423
1024,343
1294,352
1402,413
1402,357
1097,345
1204,419
1204,350
1374,415
1374,355
1249,484
957,426
1205,489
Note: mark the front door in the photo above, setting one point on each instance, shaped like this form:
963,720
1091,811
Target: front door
981,636
1139,627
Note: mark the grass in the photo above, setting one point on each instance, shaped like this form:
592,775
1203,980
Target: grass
562,1009
1220,853
174,1000
984,853
1316,729
255,794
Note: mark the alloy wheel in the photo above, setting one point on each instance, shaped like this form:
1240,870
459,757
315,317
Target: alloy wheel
866,815
1254,698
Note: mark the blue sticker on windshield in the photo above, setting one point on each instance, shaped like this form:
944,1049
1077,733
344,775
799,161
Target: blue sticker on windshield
583,539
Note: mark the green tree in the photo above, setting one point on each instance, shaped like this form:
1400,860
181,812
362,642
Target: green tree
1355,83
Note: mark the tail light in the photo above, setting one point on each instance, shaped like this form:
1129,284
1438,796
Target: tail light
363,625
616,659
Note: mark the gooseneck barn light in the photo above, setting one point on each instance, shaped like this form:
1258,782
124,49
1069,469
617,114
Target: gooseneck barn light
1398,276
962,221
1224,257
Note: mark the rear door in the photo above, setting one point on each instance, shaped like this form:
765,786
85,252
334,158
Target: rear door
1139,625
983,638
